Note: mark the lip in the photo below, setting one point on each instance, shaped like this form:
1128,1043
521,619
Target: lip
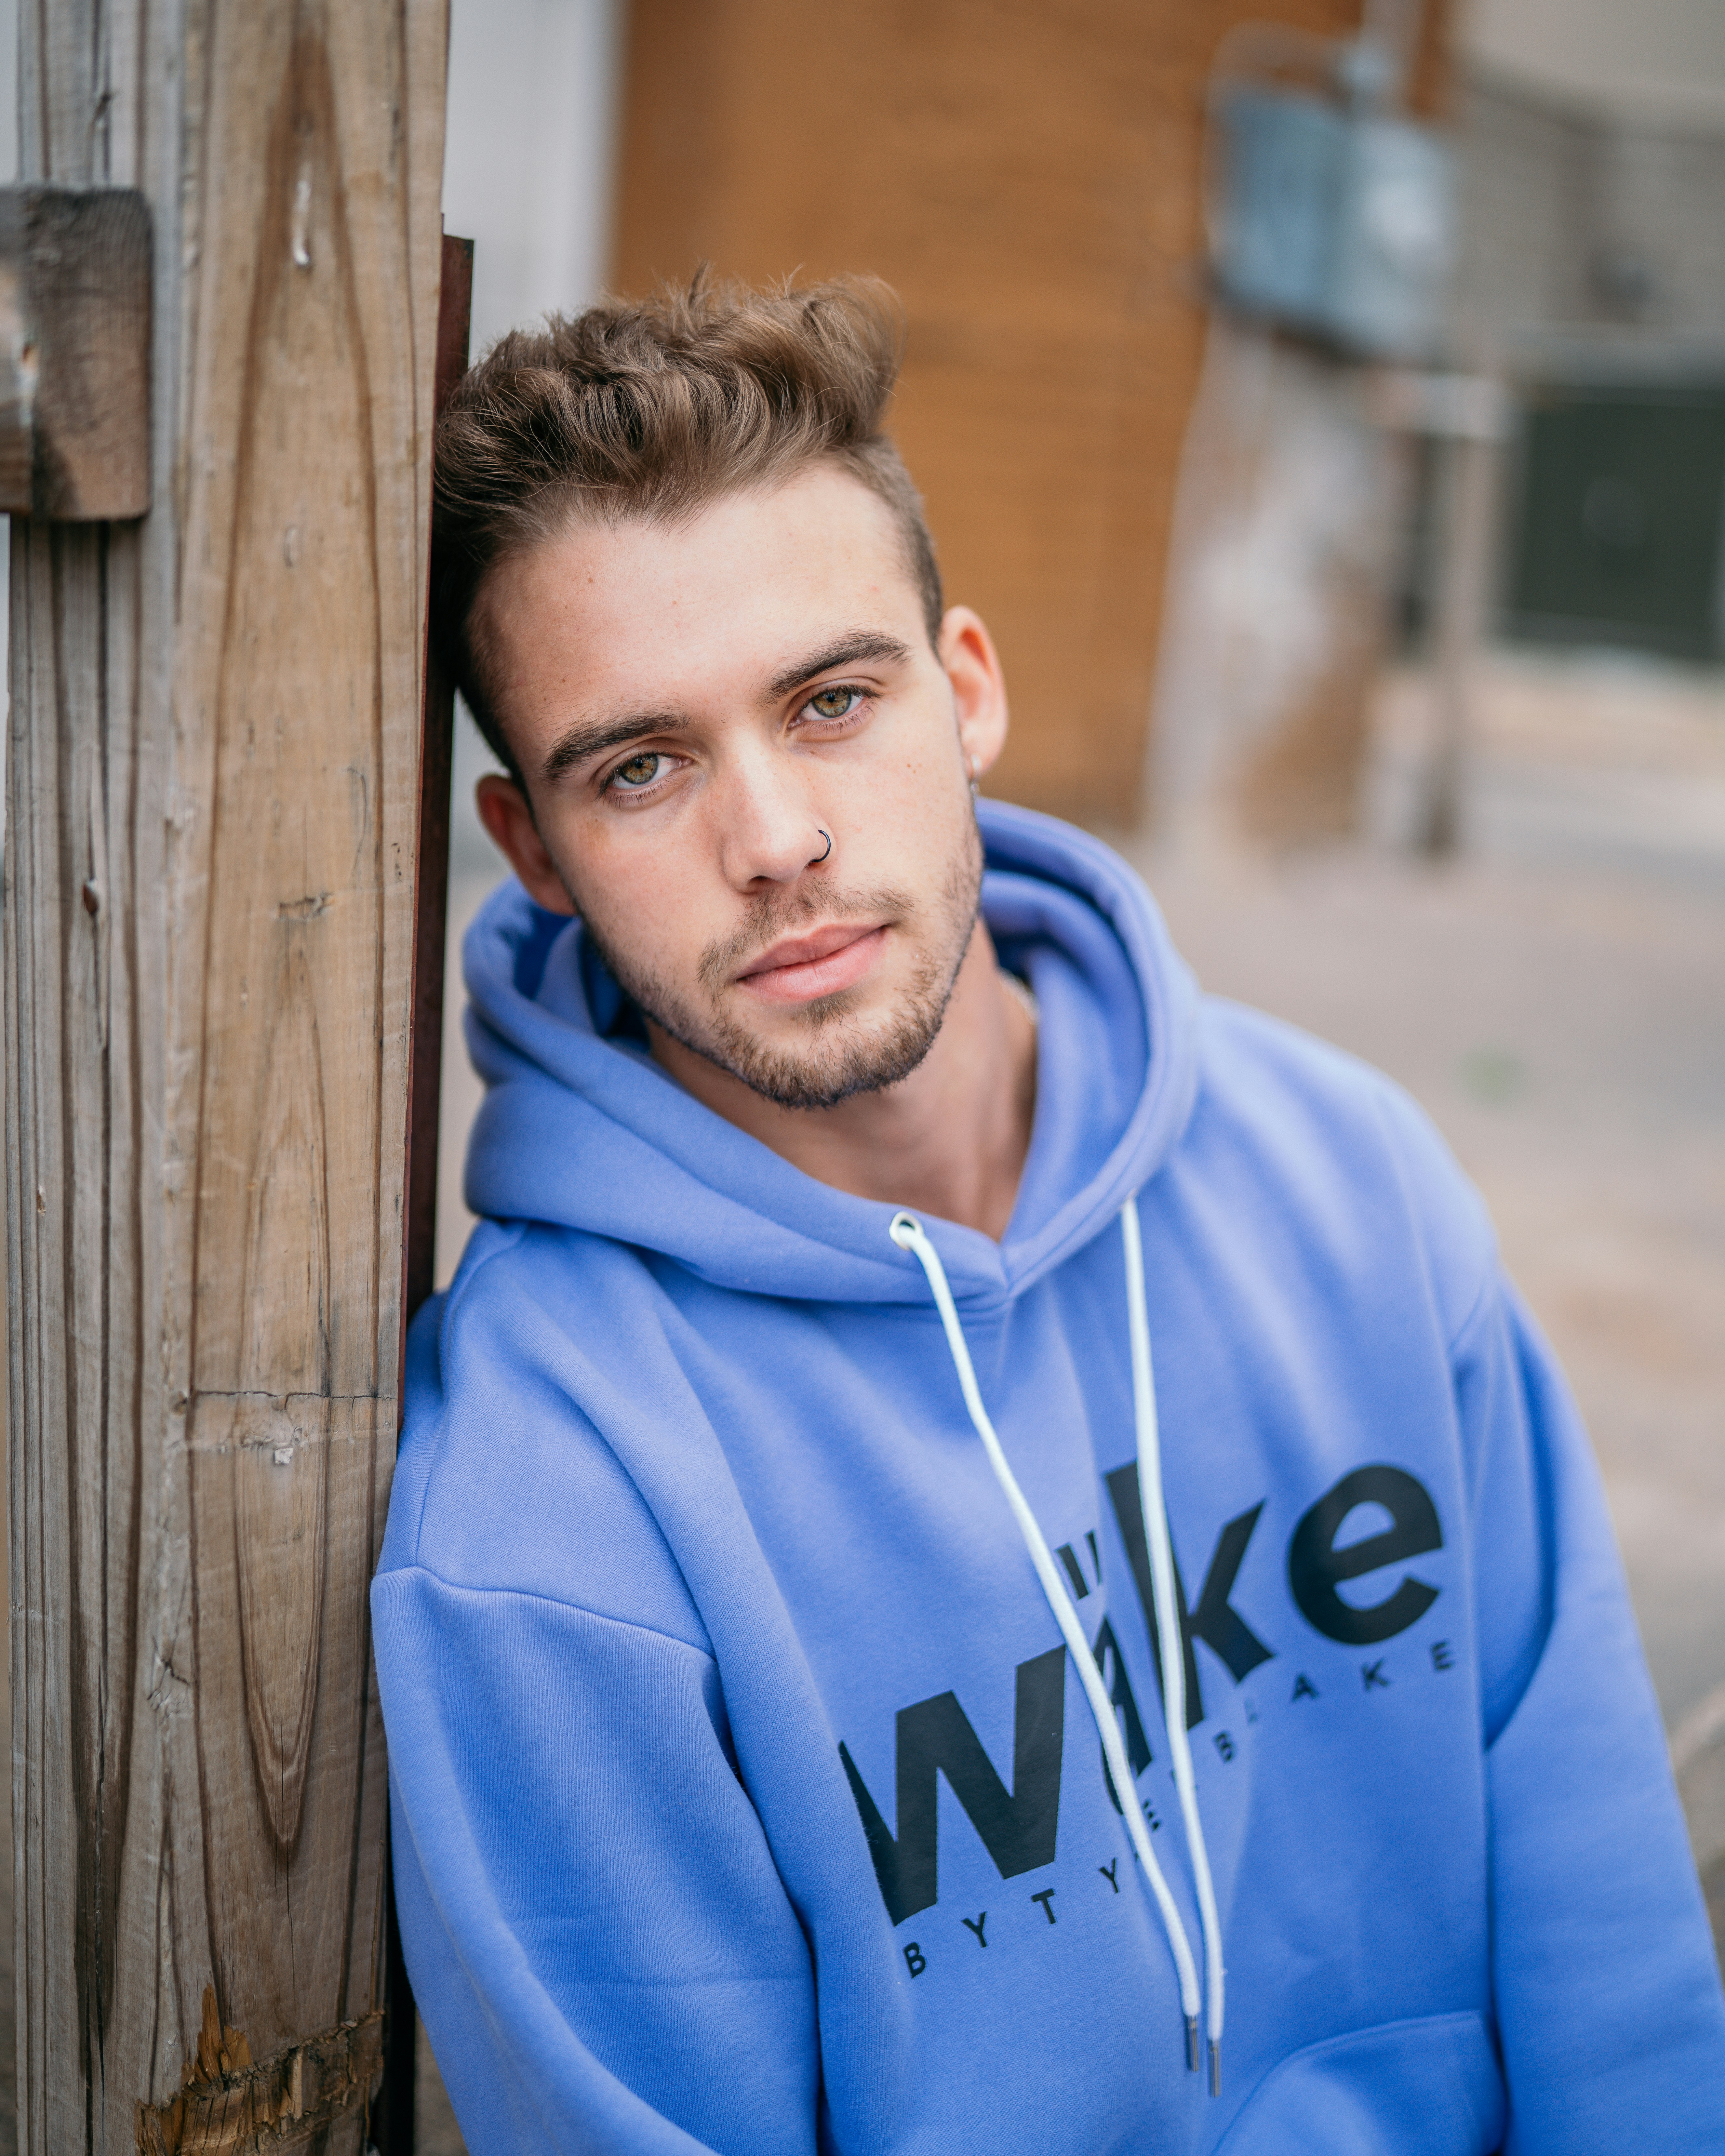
799,969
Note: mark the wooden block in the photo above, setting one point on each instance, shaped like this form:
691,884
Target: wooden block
74,353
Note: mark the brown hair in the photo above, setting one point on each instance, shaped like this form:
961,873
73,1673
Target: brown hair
653,408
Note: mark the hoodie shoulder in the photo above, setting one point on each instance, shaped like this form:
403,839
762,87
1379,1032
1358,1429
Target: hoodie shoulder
505,1480
1345,1142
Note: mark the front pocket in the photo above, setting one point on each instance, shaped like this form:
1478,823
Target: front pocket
1430,2087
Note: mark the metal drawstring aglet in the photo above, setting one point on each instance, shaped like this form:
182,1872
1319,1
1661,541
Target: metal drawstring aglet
1215,2066
1192,2043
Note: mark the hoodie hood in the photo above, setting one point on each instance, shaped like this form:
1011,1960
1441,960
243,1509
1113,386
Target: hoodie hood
581,1129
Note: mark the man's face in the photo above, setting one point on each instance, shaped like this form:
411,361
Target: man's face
696,708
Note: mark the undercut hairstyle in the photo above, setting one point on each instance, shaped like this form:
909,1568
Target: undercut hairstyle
652,409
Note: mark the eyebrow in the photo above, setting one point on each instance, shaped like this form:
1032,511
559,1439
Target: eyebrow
598,735
584,742
865,644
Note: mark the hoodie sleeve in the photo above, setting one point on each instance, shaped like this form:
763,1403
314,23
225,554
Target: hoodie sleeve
600,1946
1609,2006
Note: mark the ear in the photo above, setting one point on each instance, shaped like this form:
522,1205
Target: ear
504,811
967,652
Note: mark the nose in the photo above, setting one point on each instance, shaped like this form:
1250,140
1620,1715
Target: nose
770,828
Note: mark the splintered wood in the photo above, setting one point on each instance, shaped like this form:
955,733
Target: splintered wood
230,2106
211,791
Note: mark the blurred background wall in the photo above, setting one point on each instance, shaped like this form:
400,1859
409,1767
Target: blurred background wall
530,152
1332,518
1028,180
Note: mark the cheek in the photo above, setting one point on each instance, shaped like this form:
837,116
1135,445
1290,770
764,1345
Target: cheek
916,780
901,817
645,897
921,808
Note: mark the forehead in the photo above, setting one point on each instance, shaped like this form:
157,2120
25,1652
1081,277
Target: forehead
628,608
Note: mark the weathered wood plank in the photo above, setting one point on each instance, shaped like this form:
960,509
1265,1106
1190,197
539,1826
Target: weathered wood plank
212,794
75,353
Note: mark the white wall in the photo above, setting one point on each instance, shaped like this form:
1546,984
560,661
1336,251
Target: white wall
9,90
1647,58
527,176
528,157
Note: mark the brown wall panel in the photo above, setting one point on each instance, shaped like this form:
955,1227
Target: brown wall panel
1026,176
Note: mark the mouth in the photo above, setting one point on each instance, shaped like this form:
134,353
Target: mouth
799,969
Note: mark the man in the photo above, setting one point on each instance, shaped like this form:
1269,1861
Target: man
983,1557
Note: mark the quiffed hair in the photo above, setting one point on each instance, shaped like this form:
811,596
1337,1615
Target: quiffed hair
653,408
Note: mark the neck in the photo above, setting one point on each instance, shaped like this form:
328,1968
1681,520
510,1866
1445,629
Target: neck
950,1140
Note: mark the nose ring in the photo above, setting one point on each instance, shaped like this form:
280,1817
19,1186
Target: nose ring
820,858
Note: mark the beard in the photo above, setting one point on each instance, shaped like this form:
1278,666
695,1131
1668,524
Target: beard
839,1052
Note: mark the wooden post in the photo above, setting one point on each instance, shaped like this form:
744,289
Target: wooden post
211,801
431,906
432,889
1466,501
1468,415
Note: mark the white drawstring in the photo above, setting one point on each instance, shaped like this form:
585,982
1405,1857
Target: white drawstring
1170,1633
907,1233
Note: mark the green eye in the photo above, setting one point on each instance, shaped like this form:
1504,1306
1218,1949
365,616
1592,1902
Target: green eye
640,770
834,703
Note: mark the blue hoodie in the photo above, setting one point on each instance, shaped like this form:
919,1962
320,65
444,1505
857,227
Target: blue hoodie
747,1796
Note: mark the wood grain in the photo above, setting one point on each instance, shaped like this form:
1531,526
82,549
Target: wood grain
1027,178
75,353
212,795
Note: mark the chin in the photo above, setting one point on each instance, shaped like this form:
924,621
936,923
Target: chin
832,1052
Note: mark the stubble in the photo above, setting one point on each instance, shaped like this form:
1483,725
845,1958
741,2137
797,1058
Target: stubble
839,1051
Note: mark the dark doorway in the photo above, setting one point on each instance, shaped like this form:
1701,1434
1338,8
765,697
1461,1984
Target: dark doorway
1616,528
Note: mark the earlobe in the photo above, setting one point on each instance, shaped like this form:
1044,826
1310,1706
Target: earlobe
504,810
